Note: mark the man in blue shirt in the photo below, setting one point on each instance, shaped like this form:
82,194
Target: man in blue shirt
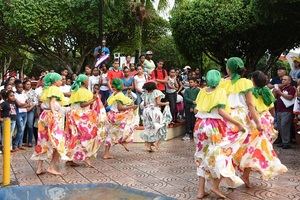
103,55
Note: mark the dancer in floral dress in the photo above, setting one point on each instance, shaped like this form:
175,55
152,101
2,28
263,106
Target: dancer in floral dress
51,135
85,127
155,121
251,150
213,161
264,104
123,118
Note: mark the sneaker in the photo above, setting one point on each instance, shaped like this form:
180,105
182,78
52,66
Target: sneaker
186,137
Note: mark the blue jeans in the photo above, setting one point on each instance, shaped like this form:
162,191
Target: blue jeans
21,124
12,130
29,124
104,96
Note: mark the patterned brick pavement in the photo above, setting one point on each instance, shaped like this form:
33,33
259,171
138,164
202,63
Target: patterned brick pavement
170,172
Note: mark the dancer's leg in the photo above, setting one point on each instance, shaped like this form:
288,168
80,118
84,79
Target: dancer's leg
107,154
246,176
53,164
40,169
215,188
201,188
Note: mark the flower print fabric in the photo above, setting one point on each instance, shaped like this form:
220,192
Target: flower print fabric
85,129
155,122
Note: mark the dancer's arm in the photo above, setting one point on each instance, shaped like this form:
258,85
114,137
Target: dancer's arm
227,117
88,103
52,104
272,111
252,110
122,107
159,103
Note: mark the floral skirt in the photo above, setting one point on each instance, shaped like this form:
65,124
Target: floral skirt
255,151
85,131
213,155
121,126
155,123
267,122
51,136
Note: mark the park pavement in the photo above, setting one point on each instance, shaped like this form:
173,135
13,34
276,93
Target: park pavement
170,172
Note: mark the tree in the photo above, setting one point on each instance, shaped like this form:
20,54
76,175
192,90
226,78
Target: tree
144,13
165,49
245,28
64,31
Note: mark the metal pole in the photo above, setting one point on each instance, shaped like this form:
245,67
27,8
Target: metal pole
6,152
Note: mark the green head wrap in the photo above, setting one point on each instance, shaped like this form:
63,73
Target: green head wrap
118,84
265,93
51,78
235,64
213,78
78,82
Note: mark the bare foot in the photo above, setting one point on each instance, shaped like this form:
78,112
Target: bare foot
201,195
53,171
108,156
218,193
40,171
125,146
151,149
88,163
148,148
155,144
246,181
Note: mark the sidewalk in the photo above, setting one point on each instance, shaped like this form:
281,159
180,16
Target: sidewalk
169,172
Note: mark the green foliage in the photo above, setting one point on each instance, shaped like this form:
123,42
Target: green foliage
58,34
165,49
65,31
245,28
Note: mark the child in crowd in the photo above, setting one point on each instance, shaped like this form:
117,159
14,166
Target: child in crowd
171,93
190,95
9,110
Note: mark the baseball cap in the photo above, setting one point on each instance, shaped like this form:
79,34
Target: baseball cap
149,53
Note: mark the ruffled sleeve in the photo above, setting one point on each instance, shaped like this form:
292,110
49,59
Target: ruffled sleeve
52,91
260,105
158,93
207,101
119,97
243,85
81,95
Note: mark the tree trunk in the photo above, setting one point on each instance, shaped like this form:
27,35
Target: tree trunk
6,66
81,61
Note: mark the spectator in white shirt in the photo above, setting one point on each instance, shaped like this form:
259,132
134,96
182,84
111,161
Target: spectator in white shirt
32,100
104,85
94,79
139,80
66,89
21,100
